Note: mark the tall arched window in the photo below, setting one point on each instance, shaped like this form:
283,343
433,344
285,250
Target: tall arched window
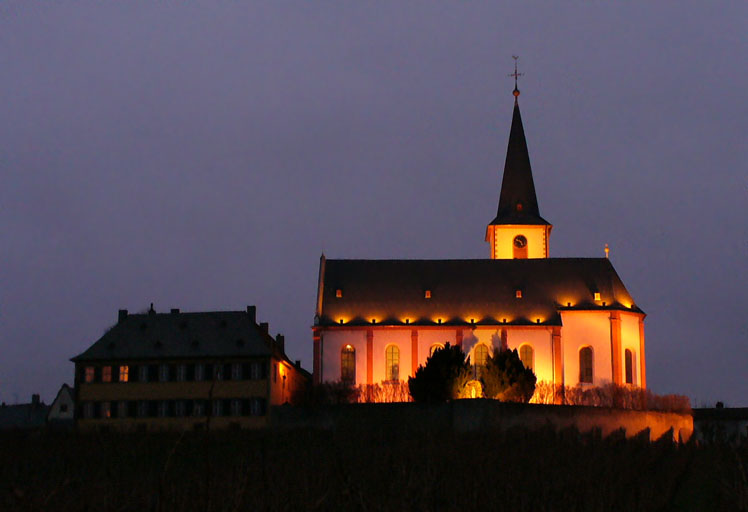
348,364
392,363
527,356
434,348
585,365
629,361
480,354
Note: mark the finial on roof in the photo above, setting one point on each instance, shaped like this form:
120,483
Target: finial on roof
515,75
607,251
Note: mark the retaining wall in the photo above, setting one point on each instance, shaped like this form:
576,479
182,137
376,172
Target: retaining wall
480,414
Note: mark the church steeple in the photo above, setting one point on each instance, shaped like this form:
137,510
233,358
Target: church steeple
518,230
518,203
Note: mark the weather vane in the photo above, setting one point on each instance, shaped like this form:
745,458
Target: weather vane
515,75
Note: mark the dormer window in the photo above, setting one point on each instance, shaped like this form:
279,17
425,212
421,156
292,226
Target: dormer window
338,293
597,297
427,294
518,294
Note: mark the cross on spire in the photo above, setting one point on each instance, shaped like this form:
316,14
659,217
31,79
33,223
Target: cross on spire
515,75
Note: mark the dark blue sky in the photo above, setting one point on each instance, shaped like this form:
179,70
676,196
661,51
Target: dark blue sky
202,156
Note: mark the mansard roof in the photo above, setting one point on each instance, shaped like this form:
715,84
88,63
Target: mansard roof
518,203
178,335
463,292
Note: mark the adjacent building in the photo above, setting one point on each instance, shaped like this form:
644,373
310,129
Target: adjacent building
162,371
572,320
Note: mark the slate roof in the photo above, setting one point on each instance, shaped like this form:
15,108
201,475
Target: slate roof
517,185
23,416
484,290
182,335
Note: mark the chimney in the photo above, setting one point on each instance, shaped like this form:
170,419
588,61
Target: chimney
252,313
122,315
280,342
35,400
264,327
174,311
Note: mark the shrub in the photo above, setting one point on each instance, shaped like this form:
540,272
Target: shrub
446,372
505,377
610,395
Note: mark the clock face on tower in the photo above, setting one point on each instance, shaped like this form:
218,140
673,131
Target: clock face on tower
520,241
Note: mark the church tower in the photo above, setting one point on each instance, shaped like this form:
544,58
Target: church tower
518,231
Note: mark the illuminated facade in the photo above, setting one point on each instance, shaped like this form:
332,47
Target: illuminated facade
571,319
184,371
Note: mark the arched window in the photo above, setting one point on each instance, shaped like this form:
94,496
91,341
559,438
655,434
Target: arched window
434,348
527,356
480,354
348,364
629,361
585,365
392,368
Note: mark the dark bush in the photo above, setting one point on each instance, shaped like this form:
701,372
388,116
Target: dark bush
441,379
505,378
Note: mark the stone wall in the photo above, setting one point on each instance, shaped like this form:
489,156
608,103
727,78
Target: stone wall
478,414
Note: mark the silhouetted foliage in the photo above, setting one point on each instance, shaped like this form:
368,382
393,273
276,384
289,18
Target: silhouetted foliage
505,378
442,377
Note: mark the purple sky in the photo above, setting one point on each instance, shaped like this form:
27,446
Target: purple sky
202,156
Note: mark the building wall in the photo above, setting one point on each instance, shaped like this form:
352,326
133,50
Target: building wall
503,240
581,329
429,337
64,401
261,391
630,340
332,342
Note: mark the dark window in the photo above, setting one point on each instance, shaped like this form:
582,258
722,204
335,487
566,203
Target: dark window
629,357
236,371
585,365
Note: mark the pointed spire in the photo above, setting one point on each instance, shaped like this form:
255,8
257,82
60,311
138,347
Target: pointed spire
518,203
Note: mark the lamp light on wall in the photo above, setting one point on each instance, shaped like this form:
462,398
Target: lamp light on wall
537,320
503,320
472,320
440,320
407,320
341,321
568,304
373,320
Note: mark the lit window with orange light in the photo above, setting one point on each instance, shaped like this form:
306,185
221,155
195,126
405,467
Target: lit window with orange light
106,374
597,296
427,294
392,363
89,374
106,410
338,293
348,364
527,356
518,294
124,373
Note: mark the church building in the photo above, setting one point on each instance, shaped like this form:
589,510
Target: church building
571,319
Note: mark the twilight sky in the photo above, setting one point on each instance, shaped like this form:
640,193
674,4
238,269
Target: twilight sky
202,156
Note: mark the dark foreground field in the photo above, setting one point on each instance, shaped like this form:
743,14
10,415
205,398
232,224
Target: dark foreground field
517,470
